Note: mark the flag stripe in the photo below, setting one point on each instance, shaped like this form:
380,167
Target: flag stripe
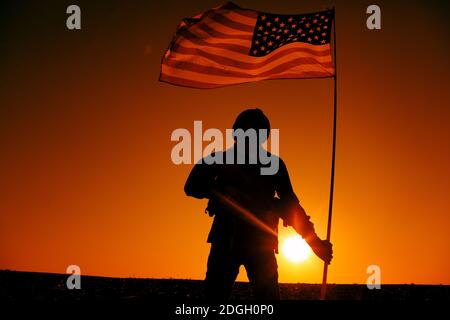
225,63
234,52
214,78
232,47
205,36
206,62
300,63
247,62
189,82
224,28
236,16
218,34
230,23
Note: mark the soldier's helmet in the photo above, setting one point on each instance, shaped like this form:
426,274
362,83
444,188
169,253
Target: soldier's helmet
252,119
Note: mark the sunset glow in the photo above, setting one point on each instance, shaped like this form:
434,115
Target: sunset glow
87,176
295,249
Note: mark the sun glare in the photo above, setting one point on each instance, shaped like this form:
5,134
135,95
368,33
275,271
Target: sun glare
295,249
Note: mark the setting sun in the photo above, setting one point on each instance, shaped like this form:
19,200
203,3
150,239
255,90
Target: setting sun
295,249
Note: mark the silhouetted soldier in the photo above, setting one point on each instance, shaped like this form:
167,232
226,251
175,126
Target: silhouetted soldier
247,207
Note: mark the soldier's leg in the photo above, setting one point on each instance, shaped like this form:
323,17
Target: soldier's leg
223,268
262,272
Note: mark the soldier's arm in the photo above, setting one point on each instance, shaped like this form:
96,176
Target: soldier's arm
292,213
200,181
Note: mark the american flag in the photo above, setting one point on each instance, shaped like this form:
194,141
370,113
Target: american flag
229,45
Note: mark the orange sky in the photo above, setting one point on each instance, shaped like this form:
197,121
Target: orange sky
86,175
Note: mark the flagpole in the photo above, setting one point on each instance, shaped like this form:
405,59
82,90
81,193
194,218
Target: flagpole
323,290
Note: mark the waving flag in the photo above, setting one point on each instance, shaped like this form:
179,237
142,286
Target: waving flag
229,45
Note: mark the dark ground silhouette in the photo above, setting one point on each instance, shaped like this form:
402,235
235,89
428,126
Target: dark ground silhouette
45,287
